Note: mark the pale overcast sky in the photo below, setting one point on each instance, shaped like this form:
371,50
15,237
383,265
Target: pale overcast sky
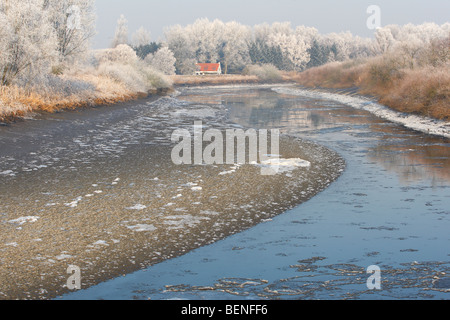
325,15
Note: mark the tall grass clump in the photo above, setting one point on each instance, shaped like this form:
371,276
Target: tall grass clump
265,72
123,66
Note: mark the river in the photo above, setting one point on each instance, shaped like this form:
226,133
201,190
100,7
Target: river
389,208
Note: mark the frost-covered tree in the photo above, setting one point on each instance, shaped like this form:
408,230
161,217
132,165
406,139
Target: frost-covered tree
145,50
28,41
234,48
183,49
237,45
395,37
121,34
320,53
5,33
141,43
384,39
409,41
281,37
74,24
122,54
206,38
141,37
162,60
261,52
295,49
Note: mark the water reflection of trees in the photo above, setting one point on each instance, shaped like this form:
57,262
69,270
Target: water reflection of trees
414,156
268,112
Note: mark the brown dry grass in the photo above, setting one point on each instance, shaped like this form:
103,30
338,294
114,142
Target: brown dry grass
16,102
423,90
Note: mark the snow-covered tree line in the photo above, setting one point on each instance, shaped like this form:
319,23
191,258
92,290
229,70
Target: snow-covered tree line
236,45
156,56
36,35
291,49
410,41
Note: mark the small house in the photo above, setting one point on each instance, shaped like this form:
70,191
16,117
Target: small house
208,68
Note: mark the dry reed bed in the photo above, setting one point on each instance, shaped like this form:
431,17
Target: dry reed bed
423,90
17,102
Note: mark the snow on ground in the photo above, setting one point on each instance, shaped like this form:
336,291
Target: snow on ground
418,123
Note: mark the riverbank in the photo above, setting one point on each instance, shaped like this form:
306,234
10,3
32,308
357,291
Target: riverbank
422,89
18,103
116,75
352,98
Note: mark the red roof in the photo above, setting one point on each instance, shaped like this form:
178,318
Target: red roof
209,67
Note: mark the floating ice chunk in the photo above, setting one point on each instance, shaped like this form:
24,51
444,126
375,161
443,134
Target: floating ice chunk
142,227
98,191
197,189
52,204
63,256
74,203
23,220
210,213
226,172
11,244
278,165
100,243
8,173
137,207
